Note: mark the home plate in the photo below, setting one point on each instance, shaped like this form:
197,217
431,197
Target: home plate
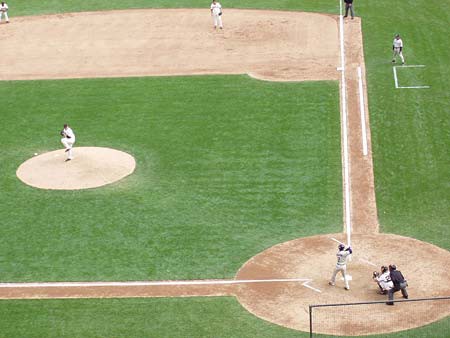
348,277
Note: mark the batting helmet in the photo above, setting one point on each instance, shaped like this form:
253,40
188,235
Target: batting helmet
341,246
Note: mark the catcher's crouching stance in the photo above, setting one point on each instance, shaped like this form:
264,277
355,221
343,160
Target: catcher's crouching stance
68,141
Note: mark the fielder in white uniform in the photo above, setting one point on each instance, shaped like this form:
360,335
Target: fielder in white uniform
397,47
384,280
341,265
216,13
4,11
68,141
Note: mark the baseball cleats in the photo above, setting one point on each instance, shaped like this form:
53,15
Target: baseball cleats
67,160
347,288
331,283
66,150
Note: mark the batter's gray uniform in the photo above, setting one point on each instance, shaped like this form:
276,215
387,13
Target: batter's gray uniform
341,265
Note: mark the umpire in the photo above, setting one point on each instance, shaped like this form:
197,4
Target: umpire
400,284
349,6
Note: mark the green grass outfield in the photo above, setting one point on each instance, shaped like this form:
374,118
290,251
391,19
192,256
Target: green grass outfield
259,167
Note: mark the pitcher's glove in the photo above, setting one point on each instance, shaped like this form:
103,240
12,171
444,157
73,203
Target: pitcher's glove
62,133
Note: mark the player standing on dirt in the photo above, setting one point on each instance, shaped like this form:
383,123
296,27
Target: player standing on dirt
384,280
341,265
349,6
397,47
4,11
216,13
68,140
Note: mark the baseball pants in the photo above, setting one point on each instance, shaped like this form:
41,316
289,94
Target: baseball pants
398,52
68,144
217,20
6,16
342,269
349,7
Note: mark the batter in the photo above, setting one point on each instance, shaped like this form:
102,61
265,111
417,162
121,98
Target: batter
341,265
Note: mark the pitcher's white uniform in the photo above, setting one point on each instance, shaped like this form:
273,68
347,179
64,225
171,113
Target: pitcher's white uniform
341,265
397,47
216,8
4,11
68,141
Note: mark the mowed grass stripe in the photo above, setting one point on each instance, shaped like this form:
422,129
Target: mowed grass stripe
410,126
227,166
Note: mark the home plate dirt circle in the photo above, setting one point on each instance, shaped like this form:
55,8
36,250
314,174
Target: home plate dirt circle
91,167
312,259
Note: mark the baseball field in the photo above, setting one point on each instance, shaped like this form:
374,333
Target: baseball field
229,167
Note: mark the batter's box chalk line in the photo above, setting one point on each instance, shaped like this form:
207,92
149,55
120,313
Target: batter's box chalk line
397,86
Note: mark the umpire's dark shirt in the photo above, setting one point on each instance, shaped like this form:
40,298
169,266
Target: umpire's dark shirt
348,1
397,277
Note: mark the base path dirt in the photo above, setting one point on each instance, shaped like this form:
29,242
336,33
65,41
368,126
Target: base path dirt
91,167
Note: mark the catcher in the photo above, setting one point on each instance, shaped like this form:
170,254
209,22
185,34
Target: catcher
4,11
383,280
68,141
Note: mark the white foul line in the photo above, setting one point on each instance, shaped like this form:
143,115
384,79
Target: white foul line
306,285
344,128
362,111
151,283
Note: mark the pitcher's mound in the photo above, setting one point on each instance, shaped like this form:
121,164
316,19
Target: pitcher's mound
91,167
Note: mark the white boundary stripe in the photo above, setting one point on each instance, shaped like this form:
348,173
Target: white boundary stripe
306,285
411,66
150,283
344,128
362,111
394,69
395,76
414,87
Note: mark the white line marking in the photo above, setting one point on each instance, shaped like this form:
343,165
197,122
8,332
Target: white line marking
394,69
366,261
344,129
306,285
411,66
149,283
362,111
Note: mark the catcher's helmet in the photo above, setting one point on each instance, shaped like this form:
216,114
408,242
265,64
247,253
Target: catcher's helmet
341,246
384,268
392,267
